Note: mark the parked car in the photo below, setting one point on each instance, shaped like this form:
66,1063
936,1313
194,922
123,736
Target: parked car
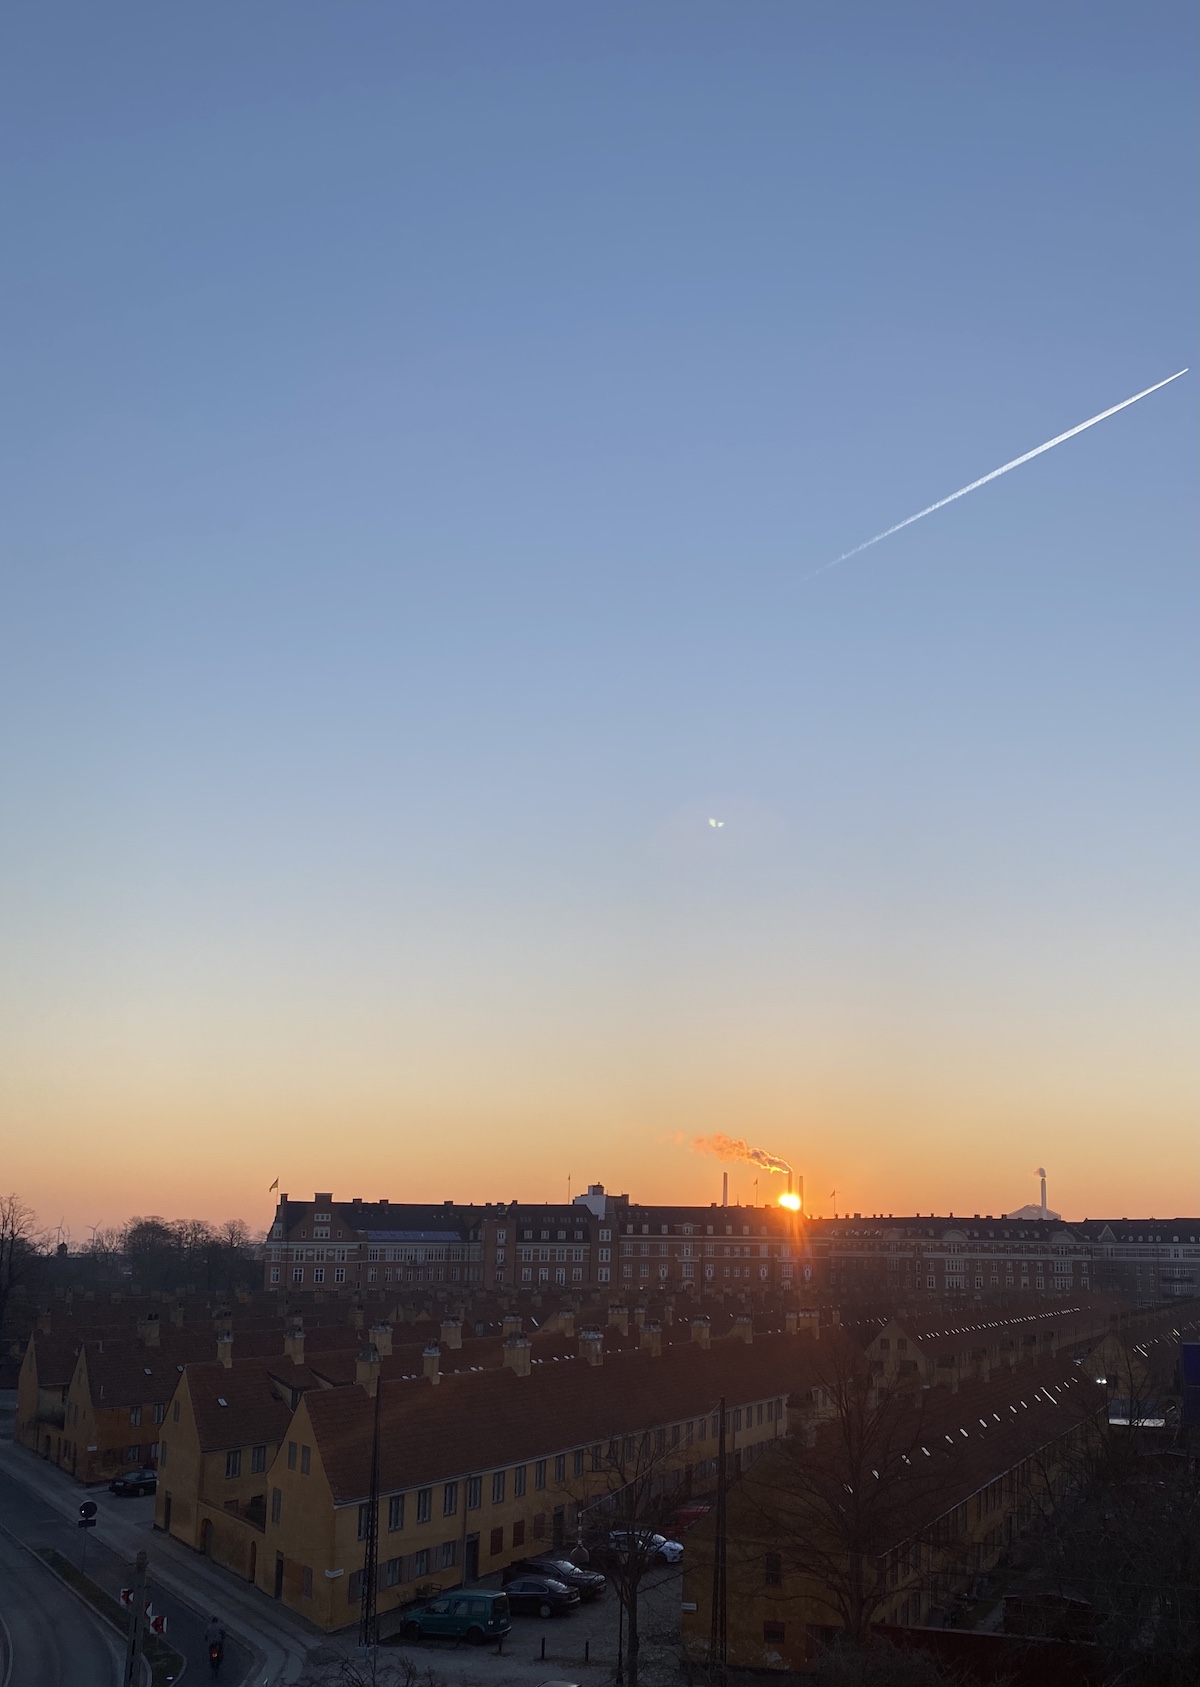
622,1541
474,1614
135,1482
589,1584
542,1596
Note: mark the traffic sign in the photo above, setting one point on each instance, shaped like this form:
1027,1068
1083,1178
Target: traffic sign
87,1515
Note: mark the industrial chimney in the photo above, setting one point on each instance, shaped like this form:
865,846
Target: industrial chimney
724,1189
1042,1175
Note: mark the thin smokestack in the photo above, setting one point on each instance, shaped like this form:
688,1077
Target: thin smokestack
724,1189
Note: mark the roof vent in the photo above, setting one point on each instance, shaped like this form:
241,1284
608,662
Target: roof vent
221,1400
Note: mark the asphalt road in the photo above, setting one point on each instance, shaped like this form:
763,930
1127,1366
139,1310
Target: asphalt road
35,1523
51,1636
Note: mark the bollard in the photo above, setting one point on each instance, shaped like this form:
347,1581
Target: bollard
543,1648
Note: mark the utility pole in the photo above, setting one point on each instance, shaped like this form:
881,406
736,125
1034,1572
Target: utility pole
718,1638
137,1623
368,1622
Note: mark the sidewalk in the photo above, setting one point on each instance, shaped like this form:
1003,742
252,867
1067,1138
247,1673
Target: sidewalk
278,1642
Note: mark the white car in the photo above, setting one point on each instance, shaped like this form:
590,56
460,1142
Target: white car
646,1541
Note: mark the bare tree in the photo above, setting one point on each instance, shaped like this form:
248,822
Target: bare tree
850,1487
22,1245
637,1485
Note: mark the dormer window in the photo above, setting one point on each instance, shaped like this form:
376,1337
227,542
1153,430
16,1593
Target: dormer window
322,1218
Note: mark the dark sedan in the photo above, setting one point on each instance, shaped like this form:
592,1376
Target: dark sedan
135,1482
541,1596
589,1584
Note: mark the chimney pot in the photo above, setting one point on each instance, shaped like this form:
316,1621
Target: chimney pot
431,1360
591,1344
518,1355
366,1369
452,1332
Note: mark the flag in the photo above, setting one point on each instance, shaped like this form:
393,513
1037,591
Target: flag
275,1185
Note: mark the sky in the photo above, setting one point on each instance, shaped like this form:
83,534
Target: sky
421,423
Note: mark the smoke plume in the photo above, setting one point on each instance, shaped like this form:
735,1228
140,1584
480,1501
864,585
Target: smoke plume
733,1148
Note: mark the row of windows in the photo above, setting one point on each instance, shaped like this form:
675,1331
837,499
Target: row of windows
135,1414
258,1461
581,1460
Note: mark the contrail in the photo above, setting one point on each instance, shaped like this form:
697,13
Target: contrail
995,474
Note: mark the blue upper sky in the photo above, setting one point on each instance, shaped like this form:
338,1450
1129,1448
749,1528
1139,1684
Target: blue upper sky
419,422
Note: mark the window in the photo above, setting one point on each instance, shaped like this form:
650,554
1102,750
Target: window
306,1461
560,1467
518,1481
539,1474
276,1505
391,1571
496,1543
424,1504
518,1534
298,1274
339,1275
421,1563
292,1451
365,1520
498,1488
306,1582
160,1412
449,1499
274,1273
396,1512
135,1416
577,1462
773,1570
773,1632
233,1462
318,1273
447,1554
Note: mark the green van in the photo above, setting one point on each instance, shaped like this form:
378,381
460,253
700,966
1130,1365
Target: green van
475,1614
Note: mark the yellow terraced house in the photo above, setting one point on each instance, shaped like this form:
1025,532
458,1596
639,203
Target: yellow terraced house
477,1468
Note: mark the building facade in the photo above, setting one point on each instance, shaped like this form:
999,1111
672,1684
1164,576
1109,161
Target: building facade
602,1243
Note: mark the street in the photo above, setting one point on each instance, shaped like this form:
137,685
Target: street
48,1637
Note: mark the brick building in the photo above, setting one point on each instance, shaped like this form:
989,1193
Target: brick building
603,1243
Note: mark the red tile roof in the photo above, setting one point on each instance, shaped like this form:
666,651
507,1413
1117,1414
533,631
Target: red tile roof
486,1420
